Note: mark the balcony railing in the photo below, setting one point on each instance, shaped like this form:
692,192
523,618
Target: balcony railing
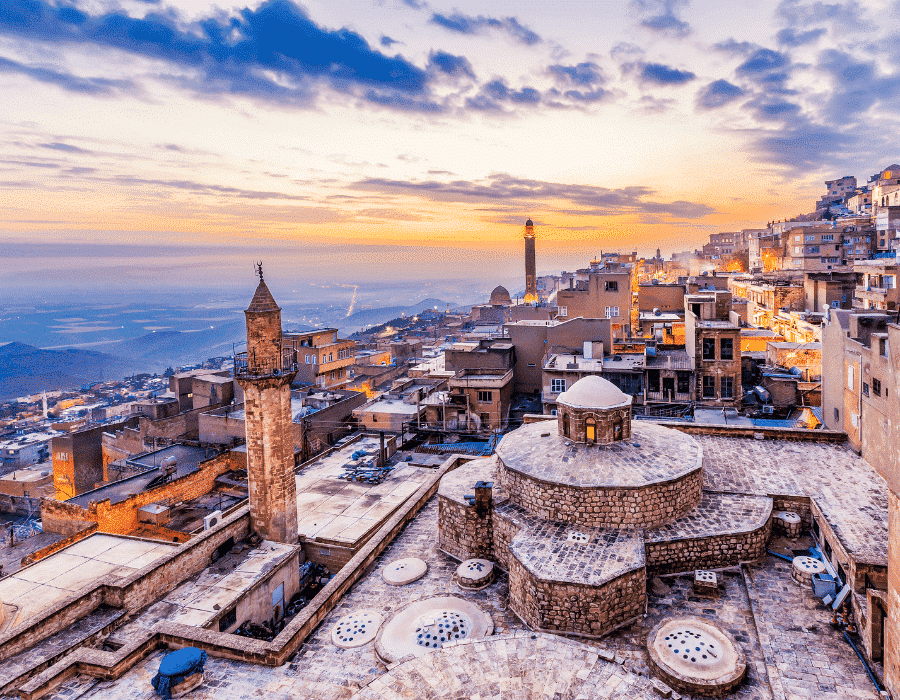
251,366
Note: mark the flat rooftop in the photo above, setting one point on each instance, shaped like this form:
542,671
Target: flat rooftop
199,600
389,406
66,572
332,510
188,461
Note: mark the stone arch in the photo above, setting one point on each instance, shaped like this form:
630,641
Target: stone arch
590,429
565,424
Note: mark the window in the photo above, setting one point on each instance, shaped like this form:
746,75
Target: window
865,388
532,364
485,419
563,311
709,348
810,237
726,348
850,376
653,380
612,286
684,382
331,357
812,249
228,619
827,237
590,429
727,387
837,415
307,358
612,312
876,386
566,424
557,385
882,347
709,387
485,396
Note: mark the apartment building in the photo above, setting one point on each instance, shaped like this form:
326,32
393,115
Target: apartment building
599,292
714,345
323,358
814,249
877,288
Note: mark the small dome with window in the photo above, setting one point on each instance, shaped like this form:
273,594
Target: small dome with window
594,411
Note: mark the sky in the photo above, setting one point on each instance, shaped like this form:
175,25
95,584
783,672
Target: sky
403,135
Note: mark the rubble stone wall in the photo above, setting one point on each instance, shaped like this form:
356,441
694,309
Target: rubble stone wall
714,552
606,506
462,533
591,611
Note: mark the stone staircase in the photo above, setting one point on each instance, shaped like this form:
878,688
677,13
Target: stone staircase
523,666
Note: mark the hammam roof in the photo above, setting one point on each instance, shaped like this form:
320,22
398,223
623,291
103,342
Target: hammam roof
263,300
594,392
652,455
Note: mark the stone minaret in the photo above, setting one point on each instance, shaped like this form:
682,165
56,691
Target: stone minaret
265,376
530,274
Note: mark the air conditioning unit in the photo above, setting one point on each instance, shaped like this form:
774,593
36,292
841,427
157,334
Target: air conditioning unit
768,409
211,520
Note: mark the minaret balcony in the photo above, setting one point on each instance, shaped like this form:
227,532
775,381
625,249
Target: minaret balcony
246,366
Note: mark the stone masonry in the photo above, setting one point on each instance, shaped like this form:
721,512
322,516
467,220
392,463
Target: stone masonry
266,381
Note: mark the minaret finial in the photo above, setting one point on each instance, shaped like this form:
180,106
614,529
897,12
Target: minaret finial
259,271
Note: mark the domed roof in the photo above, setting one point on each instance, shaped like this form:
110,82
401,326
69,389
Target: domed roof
529,222
594,392
500,296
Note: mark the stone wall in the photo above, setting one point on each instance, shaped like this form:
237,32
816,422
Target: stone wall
87,530
589,611
892,622
645,506
122,518
463,533
860,575
610,425
713,552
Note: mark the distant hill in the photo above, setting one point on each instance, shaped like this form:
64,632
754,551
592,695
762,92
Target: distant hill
154,352
374,317
25,369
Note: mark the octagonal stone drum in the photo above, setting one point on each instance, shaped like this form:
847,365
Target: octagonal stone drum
649,479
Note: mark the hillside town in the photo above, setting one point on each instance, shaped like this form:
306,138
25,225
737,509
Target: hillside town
641,451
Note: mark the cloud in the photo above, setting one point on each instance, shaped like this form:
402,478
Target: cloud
649,104
733,47
202,188
67,147
791,37
496,91
718,94
762,61
274,51
456,66
580,75
664,75
804,146
98,87
848,15
469,24
662,16
512,192
387,42
768,110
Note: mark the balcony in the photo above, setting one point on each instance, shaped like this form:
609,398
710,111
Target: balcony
246,367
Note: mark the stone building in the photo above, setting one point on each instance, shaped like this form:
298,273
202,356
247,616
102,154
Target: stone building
877,287
714,345
322,358
265,372
581,510
601,291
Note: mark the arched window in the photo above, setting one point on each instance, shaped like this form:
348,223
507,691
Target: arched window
617,429
590,429
565,424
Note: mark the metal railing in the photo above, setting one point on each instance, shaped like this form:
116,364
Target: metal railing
247,364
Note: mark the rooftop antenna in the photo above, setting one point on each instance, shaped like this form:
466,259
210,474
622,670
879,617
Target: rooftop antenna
258,267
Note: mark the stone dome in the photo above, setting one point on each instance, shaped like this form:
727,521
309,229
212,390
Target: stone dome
594,392
500,297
